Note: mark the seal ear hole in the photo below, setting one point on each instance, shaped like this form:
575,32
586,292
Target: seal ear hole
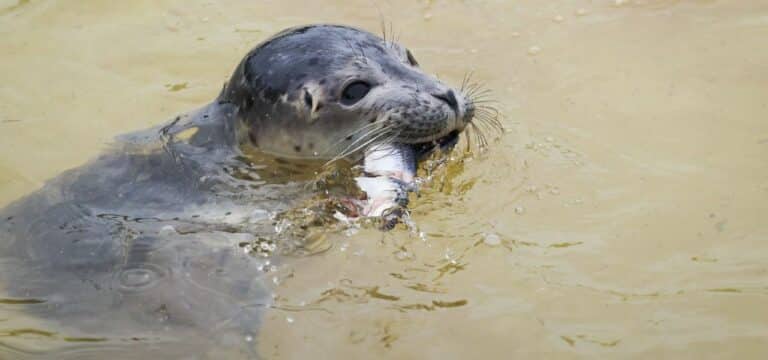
411,59
354,92
308,99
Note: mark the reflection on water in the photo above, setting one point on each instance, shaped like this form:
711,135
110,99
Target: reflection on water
622,213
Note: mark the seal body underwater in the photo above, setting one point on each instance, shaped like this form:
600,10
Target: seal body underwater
148,236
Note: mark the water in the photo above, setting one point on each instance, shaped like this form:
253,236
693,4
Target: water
626,202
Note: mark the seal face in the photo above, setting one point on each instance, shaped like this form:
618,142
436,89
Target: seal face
328,91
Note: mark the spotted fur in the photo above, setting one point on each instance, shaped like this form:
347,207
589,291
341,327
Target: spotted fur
287,92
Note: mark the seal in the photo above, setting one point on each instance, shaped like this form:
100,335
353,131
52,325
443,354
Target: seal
151,235
329,91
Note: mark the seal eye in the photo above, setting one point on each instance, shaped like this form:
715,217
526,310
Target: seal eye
354,92
411,59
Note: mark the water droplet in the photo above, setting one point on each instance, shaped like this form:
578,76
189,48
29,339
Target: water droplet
137,277
491,239
167,230
248,248
289,320
352,231
140,277
268,247
450,255
248,338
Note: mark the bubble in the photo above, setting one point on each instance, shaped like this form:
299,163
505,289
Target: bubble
558,18
289,319
581,12
519,210
248,338
167,230
140,277
268,247
491,239
450,255
136,277
533,50
248,248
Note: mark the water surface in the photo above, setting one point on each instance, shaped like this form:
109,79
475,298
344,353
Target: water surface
623,214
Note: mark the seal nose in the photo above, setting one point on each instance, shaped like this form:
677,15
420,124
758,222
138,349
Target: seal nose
449,98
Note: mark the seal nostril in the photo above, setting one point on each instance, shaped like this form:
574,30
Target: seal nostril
450,99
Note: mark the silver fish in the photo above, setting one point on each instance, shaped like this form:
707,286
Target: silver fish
389,175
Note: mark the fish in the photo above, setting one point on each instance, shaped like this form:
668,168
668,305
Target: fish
389,175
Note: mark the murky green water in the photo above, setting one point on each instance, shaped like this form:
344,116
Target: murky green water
623,214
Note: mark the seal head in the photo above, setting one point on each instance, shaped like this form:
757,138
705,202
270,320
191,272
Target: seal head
329,91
